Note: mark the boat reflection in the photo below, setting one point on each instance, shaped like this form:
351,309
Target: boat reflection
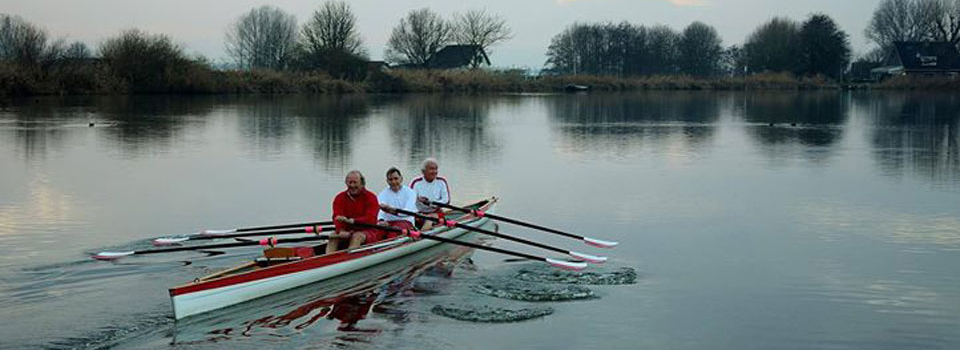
337,306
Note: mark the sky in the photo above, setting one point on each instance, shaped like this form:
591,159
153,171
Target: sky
199,25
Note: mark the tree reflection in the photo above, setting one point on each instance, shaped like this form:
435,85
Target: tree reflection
137,123
327,125
443,126
144,125
623,123
915,132
780,121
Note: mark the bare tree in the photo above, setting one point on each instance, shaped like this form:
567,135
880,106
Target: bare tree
333,27
144,61
20,41
265,37
901,20
421,34
77,50
476,27
946,20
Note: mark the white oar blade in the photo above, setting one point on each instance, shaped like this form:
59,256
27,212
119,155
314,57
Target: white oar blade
217,232
600,243
111,255
589,258
569,265
170,241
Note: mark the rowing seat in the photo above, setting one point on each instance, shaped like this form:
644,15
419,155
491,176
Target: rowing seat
288,252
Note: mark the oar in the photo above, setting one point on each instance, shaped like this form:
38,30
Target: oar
479,213
570,265
264,228
271,241
452,223
178,240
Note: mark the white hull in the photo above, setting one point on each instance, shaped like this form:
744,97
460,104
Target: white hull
193,303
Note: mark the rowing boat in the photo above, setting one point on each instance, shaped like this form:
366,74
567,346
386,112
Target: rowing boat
266,276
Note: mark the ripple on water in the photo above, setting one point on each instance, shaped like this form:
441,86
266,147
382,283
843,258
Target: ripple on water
489,314
623,275
532,292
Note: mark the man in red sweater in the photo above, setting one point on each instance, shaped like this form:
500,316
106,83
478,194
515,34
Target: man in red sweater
354,205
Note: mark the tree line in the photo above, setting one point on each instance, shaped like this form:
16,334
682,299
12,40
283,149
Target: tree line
815,47
269,39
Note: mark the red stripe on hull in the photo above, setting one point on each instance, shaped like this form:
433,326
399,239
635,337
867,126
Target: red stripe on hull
279,270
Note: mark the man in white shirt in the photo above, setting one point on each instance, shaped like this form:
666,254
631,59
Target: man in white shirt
430,187
396,196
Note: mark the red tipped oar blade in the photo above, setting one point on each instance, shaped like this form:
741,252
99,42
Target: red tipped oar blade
170,241
217,232
600,243
569,265
593,259
106,256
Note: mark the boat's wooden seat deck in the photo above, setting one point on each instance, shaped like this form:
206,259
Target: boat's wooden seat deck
279,256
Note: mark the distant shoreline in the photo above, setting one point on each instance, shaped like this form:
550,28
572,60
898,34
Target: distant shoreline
460,81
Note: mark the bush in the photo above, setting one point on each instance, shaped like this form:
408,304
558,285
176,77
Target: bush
153,63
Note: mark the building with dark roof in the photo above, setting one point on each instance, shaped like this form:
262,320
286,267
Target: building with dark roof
458,56
928,57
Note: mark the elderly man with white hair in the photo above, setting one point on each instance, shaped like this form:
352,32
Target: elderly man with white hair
430,187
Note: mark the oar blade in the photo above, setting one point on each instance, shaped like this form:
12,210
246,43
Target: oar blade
593,259
600,243
170,241
111,255
217,232
568,265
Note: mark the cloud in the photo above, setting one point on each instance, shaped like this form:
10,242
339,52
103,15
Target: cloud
675,2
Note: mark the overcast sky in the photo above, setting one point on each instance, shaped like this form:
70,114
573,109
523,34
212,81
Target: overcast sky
200,24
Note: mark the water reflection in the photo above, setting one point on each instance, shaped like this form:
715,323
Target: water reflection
781,121
38,126
138,124
144,125
327,125
268,125
918,133
443,126
624,123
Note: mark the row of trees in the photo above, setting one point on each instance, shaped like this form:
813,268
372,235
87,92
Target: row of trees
628,50
269,38
131,61
817,46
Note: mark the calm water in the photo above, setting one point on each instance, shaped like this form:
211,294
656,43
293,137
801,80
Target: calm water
839,232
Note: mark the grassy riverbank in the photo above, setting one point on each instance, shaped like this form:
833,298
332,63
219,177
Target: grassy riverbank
195,78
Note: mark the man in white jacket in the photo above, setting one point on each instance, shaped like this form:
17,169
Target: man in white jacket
430,187
396,196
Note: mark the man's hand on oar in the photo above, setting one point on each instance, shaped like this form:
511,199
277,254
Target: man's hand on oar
271,241
452,223
591,241
247,233
570,265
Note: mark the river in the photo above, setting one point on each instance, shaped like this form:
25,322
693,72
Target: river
752,220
